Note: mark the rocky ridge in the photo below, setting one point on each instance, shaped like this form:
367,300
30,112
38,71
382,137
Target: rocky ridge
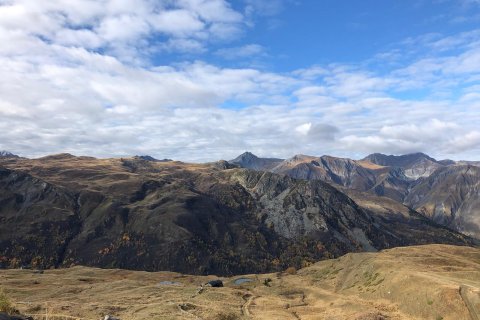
401,178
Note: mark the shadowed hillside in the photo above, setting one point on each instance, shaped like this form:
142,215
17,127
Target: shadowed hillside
133,213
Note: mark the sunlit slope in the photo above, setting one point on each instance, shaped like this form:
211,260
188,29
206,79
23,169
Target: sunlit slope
421,282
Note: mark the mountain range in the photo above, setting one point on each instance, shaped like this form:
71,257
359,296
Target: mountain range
445,191
142,213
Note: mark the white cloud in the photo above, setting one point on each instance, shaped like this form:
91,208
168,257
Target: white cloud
303,129
177,22
75,77
123,28
468,141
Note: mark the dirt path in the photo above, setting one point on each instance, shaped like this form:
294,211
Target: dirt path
471,308
249,298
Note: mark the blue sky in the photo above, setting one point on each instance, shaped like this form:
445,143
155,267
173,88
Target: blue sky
201,80
296,34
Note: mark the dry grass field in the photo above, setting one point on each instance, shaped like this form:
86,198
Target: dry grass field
422,282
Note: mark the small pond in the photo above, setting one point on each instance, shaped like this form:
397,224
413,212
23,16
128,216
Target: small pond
169,283
242,280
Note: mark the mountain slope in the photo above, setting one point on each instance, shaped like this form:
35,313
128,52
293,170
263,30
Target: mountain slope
401,178
197,218
450,196
415,165
401,221
358,175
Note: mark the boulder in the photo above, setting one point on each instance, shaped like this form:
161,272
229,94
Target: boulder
5,316
215,283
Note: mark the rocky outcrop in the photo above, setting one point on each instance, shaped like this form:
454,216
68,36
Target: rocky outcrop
150,158
6,316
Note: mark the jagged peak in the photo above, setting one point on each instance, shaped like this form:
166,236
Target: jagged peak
7,154
247,155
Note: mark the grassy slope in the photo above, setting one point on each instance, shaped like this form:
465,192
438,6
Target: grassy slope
422,282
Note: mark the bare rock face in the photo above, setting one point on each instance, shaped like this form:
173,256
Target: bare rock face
296,209
450,196
192,218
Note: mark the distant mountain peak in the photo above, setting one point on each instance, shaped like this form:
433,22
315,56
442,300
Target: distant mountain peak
247,155
416,165
250,161
151,159
7,154
383,159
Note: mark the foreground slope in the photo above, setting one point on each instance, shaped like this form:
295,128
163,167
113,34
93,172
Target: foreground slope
422,282
133,213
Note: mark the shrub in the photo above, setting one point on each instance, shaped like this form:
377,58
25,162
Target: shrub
227,316
266,282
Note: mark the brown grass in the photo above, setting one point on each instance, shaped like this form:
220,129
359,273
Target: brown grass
291,270
392,284
5,304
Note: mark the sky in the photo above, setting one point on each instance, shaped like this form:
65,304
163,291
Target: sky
203,80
